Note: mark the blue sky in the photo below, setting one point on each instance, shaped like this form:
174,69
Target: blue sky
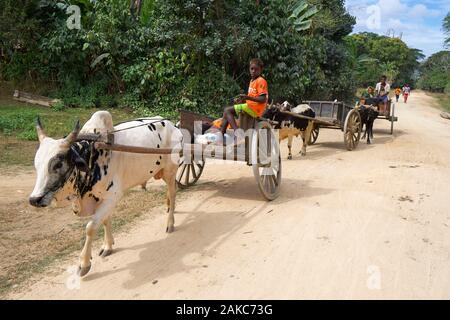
419,22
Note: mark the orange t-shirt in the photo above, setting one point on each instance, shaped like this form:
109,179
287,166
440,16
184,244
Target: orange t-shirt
256,88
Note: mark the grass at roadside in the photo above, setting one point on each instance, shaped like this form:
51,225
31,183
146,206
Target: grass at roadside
443,100
18,140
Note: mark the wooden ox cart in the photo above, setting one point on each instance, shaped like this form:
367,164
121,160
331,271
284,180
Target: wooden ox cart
260,151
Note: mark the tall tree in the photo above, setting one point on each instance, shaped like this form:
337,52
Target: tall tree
446,27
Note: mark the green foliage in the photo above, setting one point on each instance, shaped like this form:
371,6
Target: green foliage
20,121
302,14
446,27
435,72
189,54
373,55
447,88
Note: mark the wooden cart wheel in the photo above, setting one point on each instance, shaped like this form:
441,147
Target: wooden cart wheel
352,129
188,174
266,160
314,135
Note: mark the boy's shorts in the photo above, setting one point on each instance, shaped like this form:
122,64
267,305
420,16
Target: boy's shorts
245,108
383,98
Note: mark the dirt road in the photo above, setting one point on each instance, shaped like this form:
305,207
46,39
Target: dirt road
371,223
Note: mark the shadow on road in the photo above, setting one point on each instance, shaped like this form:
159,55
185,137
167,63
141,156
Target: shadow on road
203,230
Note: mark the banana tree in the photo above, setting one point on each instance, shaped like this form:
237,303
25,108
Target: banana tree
302,13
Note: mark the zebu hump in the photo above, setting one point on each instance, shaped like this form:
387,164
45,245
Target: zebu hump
100,122
301,108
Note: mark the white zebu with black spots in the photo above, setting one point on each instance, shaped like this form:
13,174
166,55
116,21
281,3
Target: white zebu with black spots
61,167
290,126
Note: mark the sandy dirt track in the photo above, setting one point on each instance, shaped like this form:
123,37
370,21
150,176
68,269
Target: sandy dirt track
371,223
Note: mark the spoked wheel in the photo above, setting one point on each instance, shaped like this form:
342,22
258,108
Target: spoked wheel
266,161
352,129
189,173
314,135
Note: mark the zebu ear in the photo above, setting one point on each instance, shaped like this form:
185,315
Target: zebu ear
40,130
72,137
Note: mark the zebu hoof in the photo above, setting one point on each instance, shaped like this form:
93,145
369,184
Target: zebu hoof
289,157
302,153
170,229
104,253
82,271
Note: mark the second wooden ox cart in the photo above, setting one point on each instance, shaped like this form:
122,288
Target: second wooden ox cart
336,115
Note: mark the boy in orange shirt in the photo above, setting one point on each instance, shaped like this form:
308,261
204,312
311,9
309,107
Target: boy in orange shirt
255,100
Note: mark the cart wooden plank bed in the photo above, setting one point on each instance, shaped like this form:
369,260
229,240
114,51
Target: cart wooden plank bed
388,114
260,151
336,115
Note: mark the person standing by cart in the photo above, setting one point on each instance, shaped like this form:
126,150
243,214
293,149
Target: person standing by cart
406,92
382,90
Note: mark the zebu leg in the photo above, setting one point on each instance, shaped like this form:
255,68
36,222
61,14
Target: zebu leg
370,133
169,175
290,138
365,131
306,136
101,214
371,128
108,240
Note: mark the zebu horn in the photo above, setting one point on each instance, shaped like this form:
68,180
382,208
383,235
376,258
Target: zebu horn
72,137
39,129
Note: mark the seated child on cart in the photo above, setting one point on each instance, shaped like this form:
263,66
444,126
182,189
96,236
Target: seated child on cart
253,103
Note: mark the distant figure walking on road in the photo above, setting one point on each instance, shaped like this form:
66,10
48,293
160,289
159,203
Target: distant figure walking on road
398,91
406,92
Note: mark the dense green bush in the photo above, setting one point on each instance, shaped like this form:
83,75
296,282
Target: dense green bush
190,54
435,72
374,55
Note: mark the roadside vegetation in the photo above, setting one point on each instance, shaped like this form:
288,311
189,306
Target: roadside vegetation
170,55
18,140
435,72
442,99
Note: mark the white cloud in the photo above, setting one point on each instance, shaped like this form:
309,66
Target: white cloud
421,11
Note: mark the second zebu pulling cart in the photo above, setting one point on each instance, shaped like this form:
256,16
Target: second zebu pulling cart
335,115
260,151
